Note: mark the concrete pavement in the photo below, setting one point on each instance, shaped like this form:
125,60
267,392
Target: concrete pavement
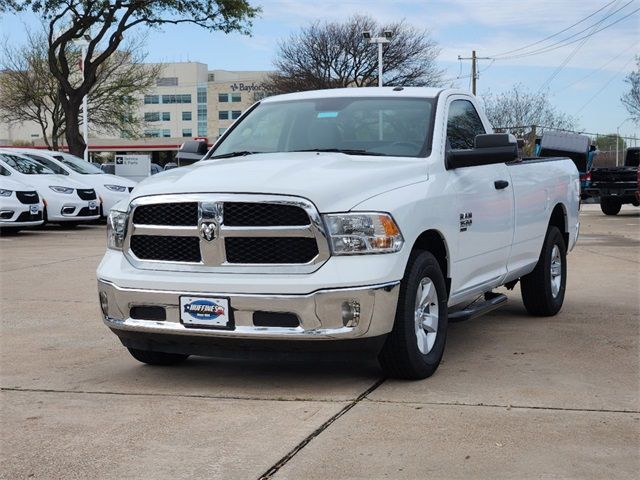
515,397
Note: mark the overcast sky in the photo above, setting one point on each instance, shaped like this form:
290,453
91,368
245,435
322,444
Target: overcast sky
588,87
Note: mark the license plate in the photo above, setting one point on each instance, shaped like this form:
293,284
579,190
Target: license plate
33,209
204,312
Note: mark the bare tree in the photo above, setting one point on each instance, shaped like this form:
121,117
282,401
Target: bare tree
28,92
631,99
334,54
105,24
518,109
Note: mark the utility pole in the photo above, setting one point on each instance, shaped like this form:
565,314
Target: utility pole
474,68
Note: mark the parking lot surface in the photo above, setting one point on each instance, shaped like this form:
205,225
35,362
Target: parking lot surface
515,396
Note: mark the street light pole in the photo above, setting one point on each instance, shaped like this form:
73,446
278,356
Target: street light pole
386,38
380,63
85,113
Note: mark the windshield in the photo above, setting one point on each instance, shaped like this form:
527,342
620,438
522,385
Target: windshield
76,164
25,165
360,126
50,164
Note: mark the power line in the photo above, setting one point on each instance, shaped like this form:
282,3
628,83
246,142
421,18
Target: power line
569,57
557,33
561,44
593,72
604,86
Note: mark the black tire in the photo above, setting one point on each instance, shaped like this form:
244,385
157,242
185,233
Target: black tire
400,356
536,287
610,206
157,358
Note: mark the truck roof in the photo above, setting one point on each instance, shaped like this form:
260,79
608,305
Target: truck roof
413,92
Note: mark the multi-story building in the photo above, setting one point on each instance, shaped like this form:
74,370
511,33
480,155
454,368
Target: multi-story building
230,94
177,106
188,101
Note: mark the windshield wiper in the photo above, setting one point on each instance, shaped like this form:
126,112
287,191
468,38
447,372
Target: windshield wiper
346,151
233,154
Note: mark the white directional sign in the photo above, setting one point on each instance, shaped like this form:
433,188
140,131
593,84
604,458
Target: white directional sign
134,167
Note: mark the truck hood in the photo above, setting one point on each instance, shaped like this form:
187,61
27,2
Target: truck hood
332,181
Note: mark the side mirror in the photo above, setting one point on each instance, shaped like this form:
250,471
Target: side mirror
191,151
489,148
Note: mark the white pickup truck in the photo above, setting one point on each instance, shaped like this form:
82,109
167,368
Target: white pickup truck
339,219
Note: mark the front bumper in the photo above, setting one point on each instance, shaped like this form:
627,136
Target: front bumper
319,313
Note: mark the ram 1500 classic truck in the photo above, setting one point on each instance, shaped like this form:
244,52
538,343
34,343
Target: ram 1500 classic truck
339,218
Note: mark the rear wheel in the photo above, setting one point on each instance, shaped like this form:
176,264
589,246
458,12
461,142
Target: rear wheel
543,289
610,206
157,358
414,347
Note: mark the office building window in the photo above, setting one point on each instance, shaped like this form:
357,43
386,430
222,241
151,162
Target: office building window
151,99
236,97
186,132
166,116
186,116
183,98
152,116
152,133
223,115
167,82
211,77
223,97
202,129
202,94
166,133
235,114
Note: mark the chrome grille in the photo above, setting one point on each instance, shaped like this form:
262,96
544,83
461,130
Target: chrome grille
226,233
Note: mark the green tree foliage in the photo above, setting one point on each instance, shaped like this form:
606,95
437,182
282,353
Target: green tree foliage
607,143
104,25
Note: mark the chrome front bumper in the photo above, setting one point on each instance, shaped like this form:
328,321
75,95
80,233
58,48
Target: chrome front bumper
319,313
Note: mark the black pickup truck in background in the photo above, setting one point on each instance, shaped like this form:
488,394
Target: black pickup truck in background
616,185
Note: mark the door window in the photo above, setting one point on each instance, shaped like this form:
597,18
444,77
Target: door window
463,124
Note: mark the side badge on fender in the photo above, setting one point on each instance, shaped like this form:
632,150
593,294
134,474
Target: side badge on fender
466,220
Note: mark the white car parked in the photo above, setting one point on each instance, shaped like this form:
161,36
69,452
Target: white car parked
110,188
65,200
20,205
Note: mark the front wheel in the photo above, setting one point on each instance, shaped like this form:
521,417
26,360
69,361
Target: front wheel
157,358
414,347
610,206
543,289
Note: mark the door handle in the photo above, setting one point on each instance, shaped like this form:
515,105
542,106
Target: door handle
500,184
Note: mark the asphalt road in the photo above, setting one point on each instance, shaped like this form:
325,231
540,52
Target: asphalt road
515,397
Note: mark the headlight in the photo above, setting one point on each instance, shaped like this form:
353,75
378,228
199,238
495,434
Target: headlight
5,193
358,233
58,189
116,229
116,188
